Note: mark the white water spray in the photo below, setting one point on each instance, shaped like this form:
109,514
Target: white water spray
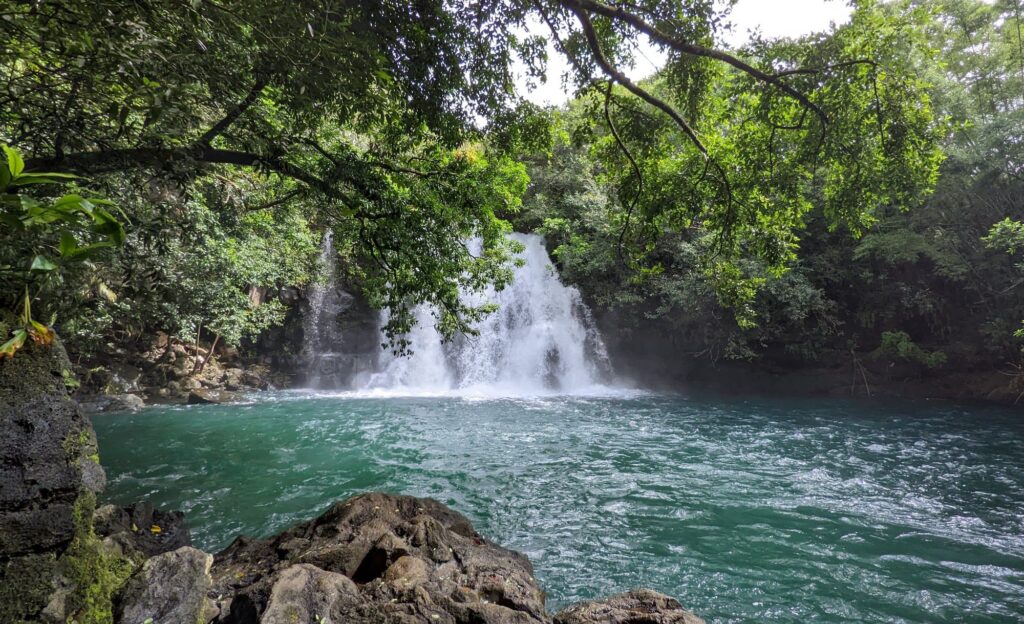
541,340
335,353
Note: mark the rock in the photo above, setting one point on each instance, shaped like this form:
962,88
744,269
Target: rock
97,404
640,606
305,593
410,560
132,528
200,396
254,378
170,589
125,403
124,379
232,379
174,388
191,383
407,573
48,470
373,559
182,366
45,442
94,404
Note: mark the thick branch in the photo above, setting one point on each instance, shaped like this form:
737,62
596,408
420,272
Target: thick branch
233,114
819,70
141,157
595,48
691,49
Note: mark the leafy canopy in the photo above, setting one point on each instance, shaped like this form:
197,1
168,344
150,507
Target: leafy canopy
397,124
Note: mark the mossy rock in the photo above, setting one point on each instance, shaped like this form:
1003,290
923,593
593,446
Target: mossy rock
53,567
36,371
96,570
48,453
26,585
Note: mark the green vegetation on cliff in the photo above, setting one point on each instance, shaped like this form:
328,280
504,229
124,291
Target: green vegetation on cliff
920,284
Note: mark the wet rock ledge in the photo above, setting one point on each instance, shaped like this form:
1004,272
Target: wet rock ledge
372,558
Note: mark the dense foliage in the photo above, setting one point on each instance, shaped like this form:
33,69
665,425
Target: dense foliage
46,239
357,116
767,200
925,282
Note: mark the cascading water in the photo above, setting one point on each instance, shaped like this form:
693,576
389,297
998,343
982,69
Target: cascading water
541,340
320,327
339,343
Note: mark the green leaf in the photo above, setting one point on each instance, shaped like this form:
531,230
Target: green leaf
14,162
88,251
106,224
42,264
68,244
72,203
38,215
8,348
42,178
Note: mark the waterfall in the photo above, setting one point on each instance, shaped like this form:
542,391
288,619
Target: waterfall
541,340
339,341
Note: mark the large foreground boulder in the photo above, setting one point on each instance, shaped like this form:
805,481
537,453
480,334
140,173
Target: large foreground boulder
49,477
375,558
170,588
48,455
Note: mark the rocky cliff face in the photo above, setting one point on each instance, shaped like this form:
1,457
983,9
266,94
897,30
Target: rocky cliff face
47,453
49,476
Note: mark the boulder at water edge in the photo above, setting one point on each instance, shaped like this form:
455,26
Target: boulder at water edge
170,588
640,606
203,396
378,558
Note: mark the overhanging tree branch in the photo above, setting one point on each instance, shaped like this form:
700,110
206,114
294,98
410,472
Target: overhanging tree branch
109,161
691,49
595,48
819,70
233,114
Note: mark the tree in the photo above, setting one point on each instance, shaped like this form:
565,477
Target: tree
395,121
920,268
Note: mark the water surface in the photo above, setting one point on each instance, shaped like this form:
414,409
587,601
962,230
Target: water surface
767,511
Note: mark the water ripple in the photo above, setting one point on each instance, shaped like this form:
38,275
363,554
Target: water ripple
746,511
